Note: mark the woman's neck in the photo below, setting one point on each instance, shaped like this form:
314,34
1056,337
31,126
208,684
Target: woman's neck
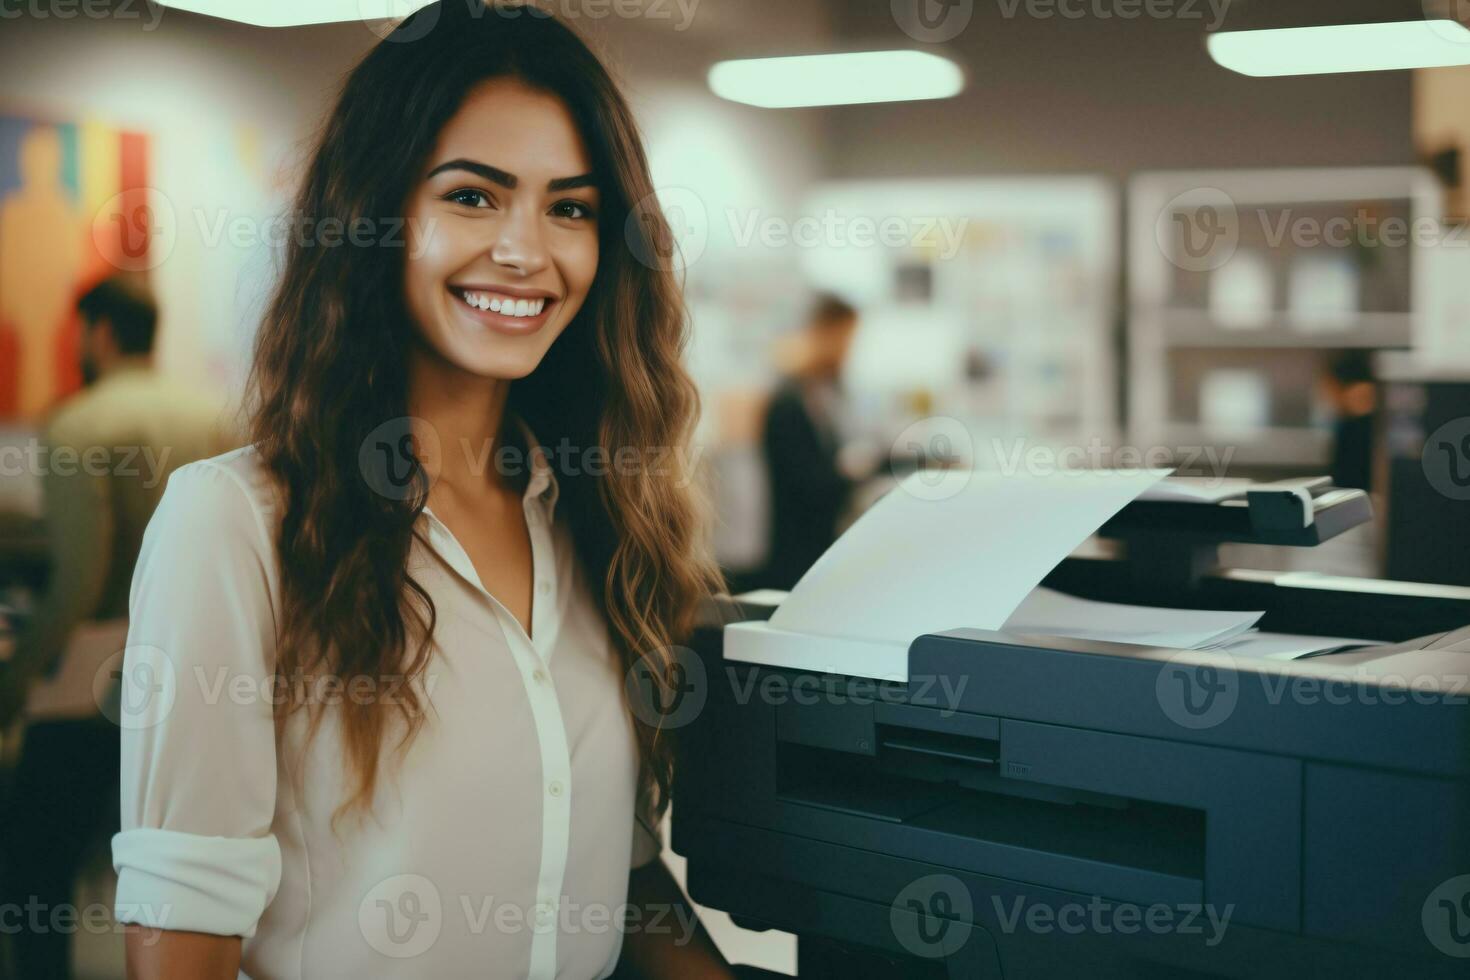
464,414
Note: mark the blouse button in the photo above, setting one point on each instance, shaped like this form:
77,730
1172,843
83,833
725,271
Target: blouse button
555,789
543,586
539,676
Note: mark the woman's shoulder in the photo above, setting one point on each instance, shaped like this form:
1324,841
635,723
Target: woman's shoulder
216,493
210,535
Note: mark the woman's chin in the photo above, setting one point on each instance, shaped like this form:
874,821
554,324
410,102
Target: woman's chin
498,365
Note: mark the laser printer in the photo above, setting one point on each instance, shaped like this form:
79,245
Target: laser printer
1034,806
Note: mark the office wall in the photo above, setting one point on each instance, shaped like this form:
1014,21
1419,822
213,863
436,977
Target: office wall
225,106
232,110
1111,96
1442,123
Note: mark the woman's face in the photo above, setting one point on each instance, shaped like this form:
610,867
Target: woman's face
502,232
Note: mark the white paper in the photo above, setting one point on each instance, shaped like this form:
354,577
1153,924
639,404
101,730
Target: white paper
763,597
1197,489
1047,611
1283,646
953,550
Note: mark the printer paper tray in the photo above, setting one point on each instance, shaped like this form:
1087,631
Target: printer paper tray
757,642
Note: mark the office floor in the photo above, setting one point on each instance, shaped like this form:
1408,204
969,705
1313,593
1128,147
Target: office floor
99,955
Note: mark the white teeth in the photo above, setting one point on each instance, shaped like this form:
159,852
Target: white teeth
505,305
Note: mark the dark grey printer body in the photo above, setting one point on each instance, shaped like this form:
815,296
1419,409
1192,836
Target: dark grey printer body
1032,807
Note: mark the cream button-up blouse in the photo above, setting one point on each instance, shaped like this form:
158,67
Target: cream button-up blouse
499,847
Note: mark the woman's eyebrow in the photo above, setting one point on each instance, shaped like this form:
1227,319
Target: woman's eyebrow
565,183
497,176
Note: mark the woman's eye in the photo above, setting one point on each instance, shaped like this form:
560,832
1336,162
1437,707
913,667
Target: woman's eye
571,209
467,196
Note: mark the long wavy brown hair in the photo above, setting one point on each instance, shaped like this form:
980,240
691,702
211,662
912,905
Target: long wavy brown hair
330,367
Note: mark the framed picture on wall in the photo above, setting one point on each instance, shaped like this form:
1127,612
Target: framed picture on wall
74,208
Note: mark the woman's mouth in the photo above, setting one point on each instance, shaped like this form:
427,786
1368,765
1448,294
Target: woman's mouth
516,315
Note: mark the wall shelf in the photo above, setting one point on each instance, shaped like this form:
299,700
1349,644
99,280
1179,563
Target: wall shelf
1244,283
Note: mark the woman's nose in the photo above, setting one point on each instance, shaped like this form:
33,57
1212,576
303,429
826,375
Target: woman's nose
519,245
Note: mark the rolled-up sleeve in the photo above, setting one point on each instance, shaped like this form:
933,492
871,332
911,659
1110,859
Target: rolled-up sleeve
198,791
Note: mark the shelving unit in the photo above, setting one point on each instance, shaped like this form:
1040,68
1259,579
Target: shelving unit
1000,315
1243,284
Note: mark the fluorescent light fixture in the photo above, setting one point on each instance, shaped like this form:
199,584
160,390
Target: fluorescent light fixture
296,13
837,79
1342,47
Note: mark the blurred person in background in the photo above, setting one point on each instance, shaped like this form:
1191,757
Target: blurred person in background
107,453
1350,390
810,473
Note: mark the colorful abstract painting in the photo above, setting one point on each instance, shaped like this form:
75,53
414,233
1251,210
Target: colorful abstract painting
73,210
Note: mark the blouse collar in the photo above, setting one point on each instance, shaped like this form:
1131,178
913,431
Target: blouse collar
543,485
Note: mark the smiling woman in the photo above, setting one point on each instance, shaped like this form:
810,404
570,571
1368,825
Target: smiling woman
509,247
362,539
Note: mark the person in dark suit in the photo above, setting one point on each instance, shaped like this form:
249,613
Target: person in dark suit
808,488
